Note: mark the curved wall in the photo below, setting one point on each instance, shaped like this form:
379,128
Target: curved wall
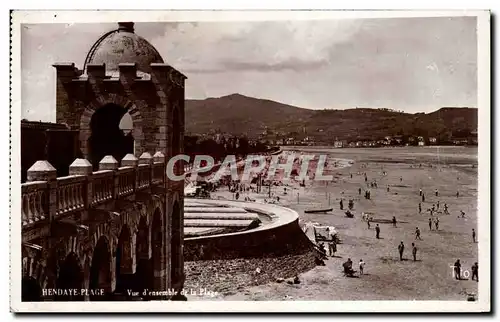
282,236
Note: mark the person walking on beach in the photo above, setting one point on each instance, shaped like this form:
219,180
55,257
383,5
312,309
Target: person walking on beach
446,209
458,194
437,193
420,192
401,249
332,248
457,267
394,221
475,272
473,235
388,189
414,251
361,267
377,231
430,224
359,191
341,204
423,197
417,234
436,223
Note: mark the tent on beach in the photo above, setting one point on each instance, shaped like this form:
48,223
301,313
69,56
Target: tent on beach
316,232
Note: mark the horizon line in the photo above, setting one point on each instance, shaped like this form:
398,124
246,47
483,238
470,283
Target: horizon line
328,108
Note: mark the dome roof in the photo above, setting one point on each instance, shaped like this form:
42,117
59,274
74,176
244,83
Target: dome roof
123,46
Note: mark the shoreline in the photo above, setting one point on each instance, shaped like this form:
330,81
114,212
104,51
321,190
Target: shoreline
431,281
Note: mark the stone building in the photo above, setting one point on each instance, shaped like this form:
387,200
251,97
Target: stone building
116,222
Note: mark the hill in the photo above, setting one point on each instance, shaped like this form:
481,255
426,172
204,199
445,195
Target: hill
242,115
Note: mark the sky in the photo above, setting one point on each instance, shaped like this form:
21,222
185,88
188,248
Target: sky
409,64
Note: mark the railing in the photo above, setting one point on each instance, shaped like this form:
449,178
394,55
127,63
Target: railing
34,202
102,186
158,173
143,176
45,197
126,181
70,194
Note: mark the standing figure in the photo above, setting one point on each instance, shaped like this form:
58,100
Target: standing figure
361,267
394,221
419,208
473,235
377,231
417,234
414,251
445,208
457,269
458,194
420,192
401,249
436,223
475,272
359,191
436,192
430,224
388,189
332,248
400,179
423,197
341,204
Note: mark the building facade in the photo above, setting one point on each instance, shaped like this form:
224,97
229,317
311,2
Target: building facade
116,222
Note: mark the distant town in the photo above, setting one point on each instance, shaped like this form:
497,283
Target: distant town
229,140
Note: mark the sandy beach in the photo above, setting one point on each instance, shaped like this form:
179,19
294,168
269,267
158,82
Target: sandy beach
386,277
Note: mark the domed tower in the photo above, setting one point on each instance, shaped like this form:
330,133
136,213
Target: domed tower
126,99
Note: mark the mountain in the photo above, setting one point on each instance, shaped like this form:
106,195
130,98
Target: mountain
238,114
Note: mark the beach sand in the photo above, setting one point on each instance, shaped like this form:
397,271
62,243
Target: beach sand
386,277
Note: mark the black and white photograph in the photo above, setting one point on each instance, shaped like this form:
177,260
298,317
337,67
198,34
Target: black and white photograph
313,161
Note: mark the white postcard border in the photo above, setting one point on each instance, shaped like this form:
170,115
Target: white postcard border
484,301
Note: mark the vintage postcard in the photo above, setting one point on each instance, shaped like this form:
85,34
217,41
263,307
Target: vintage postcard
250,161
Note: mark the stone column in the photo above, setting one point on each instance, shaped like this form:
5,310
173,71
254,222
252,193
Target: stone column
110,163
131,161
159,157
44,171
146,158
83,167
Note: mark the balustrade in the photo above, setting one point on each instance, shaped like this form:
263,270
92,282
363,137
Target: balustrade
102,186
70,194
126,181
158,173
51,197
33,202
143,177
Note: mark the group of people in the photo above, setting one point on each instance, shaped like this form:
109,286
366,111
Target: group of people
457,271
401,249
349,270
